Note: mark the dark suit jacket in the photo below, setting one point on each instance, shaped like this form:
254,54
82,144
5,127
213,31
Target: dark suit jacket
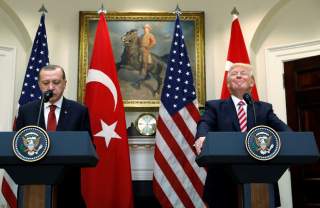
73,117
221,115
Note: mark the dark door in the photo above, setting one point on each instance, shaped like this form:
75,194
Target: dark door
302,87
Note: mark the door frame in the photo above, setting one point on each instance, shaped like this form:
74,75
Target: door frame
274,58
10,74
7,104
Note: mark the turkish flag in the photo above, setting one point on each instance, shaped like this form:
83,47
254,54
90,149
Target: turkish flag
237,53
109,183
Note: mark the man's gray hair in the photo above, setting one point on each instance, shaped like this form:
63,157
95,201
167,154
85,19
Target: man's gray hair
52,67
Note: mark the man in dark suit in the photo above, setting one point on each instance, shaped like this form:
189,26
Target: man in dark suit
68,115
223,115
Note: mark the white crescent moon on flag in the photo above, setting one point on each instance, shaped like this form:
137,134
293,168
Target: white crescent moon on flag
95,75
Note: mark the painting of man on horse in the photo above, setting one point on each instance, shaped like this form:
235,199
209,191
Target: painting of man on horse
138,65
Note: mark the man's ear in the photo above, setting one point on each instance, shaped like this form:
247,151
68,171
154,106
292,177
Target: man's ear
252,81
252,84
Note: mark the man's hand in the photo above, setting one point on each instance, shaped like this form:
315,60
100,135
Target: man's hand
198,144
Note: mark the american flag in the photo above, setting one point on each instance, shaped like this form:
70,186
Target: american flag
30,92
177,180
38,59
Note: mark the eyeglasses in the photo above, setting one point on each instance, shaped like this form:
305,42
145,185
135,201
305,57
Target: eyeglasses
239,73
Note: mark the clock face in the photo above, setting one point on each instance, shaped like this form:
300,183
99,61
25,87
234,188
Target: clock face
146,124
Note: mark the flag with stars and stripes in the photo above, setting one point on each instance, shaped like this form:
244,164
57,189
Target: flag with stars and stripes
38,59
177,179
30,92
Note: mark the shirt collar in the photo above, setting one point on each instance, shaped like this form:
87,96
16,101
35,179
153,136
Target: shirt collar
236,100
58,103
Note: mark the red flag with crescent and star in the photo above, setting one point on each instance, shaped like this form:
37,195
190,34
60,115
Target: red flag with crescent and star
237,53
109,183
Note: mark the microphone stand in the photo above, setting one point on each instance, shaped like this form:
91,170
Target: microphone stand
44,98
254,114
249,101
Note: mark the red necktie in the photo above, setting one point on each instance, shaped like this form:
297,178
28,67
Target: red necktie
242,117
52,121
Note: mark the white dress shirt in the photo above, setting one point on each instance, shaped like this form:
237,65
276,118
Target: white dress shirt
236,101
46,110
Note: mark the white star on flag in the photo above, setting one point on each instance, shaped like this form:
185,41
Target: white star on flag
108,132
177,179
109,184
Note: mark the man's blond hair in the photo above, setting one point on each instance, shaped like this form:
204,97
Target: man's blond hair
247,66
242,65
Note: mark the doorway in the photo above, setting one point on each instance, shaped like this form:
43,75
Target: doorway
302,89
7,69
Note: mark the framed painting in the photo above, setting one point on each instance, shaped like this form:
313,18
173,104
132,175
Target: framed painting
126,30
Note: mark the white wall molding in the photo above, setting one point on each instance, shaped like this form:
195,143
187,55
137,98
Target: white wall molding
275,57
16,24
141,158
8,68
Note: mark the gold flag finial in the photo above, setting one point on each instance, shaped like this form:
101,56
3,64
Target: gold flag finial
234,11
177,11
102,9
43,10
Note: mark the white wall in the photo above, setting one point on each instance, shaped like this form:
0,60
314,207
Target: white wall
11,35
296,21
62,24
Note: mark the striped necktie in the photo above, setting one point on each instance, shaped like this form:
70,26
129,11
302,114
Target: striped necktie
242,116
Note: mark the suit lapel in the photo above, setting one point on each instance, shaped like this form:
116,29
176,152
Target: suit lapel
250,117
42,123
232,113
62,117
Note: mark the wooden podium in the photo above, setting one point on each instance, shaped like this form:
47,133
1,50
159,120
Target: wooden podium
68,149
229,148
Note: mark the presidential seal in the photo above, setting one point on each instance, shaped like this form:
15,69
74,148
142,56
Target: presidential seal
263,143
31,143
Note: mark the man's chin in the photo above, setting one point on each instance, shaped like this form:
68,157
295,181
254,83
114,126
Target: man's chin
53,100
241,87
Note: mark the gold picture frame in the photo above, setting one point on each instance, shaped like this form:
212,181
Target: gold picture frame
120,24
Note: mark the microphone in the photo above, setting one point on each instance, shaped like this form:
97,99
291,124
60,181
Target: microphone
249,101
247,98
47,95
44,98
